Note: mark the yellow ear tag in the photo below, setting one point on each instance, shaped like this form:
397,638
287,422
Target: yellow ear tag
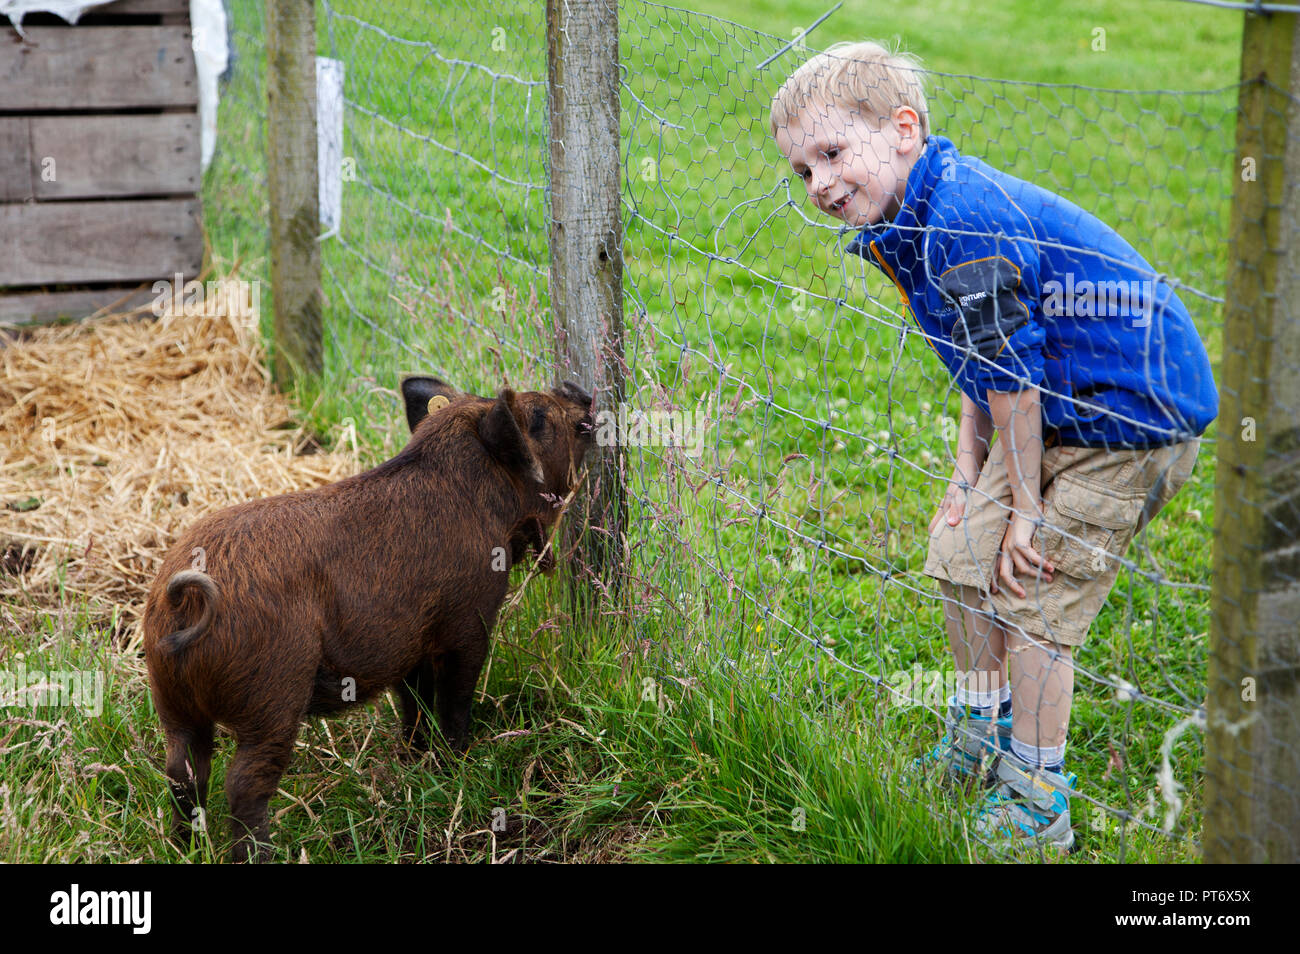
436,402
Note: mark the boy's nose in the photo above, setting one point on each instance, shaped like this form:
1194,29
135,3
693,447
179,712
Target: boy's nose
819,183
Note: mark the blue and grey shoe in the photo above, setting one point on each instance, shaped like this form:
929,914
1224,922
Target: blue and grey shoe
1029,806
970,749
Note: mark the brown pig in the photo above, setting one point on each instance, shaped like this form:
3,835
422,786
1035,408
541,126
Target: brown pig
312,601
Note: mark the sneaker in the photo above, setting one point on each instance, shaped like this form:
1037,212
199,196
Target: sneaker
970,748
1028,806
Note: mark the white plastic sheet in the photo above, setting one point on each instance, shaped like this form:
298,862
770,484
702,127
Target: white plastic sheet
70,10
210,41
329,141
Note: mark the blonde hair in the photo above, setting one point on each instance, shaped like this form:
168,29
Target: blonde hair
866,76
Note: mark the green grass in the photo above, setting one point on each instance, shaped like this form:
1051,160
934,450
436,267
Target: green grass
771,710
580,755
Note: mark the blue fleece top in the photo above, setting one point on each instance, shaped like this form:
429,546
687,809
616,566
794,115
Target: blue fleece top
1016,287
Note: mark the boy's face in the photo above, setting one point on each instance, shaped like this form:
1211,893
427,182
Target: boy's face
852,170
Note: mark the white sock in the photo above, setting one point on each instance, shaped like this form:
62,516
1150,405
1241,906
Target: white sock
1035,756
1005,694
974,699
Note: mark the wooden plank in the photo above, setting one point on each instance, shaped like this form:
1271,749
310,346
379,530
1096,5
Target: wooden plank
41,308
71,242
99,67
15,159
92,156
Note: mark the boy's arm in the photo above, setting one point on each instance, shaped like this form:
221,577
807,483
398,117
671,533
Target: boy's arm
985,262
973,436
1019,420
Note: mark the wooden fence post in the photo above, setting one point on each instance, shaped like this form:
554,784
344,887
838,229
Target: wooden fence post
586,245
291,178
1252,748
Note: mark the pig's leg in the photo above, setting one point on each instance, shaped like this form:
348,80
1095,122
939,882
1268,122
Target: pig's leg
458,671
417,694
254,773
189,763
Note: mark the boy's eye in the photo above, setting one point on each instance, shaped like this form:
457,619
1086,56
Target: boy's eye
832,153
805,174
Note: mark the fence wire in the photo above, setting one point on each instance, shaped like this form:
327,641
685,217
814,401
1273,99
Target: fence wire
789,536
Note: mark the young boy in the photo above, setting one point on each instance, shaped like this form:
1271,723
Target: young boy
1063,344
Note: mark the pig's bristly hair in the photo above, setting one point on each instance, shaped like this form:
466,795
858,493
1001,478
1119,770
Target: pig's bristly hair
440,437
448,432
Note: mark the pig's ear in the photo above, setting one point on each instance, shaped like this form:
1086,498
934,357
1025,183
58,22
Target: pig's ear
572,391
418,391
500,434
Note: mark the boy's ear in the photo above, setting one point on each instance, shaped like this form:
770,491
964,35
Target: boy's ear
500,434
908,123
418,390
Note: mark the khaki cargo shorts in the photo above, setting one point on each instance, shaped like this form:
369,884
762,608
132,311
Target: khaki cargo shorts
1094,502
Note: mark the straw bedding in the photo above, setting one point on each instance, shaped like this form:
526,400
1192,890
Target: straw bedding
117,433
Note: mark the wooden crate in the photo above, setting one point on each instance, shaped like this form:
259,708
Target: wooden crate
99,160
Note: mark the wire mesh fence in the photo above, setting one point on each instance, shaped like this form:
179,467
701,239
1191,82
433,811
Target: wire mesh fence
788,426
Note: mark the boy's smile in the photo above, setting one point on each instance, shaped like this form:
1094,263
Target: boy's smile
851,170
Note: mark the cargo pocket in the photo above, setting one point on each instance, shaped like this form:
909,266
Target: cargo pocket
1086,528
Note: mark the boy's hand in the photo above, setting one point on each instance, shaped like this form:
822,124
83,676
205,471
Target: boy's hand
953,505
1018,555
